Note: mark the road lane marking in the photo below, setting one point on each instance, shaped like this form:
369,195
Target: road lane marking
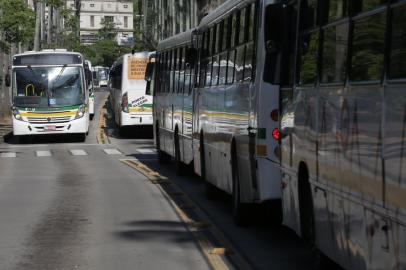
212,241
8,154
78,152
145,151
43,153
112,151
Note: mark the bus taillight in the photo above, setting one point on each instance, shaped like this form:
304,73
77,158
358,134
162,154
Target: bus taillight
276,134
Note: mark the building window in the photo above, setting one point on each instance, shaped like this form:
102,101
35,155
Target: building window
72,5
91,5
125,21
125,6
91,21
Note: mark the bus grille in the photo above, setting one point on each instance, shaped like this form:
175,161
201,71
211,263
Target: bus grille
46,120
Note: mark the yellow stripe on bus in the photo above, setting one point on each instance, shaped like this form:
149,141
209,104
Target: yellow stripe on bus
53,114
140,109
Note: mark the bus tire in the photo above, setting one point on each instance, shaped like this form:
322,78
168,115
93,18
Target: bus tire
306,210
91,116
180,167
211,191
163,158
240,211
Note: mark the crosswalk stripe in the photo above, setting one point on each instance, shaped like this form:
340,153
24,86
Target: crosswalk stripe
146,151
78,152
8,154
43,153
112,151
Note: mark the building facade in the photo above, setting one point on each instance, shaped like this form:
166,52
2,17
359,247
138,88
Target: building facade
92,12
164,18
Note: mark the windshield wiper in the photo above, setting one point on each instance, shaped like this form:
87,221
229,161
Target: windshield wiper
59,75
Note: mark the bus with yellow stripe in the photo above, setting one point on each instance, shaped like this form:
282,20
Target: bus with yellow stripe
130,103
49,93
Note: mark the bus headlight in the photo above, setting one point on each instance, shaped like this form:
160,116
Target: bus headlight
17,115
81,112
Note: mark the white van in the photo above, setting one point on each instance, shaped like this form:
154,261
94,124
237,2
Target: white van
130,103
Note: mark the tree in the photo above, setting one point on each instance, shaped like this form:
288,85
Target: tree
17,22
108,30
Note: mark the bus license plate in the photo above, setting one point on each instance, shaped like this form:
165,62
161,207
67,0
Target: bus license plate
49,128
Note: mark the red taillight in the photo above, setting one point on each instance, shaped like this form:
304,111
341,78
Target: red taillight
276,134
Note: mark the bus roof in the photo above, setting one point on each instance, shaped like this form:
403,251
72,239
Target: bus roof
223,10
48,57
177,40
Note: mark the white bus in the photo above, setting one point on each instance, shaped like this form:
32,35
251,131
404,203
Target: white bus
233,108
173,103
343,128
49,93
131,105
102,76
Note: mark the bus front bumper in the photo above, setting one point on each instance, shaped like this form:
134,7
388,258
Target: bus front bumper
27,128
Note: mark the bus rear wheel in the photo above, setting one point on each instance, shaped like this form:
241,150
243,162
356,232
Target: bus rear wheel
163,157
179,165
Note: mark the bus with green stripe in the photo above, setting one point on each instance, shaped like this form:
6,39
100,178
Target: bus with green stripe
49,93
131,105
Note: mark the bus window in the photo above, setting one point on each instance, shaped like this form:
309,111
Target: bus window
337,9
231,67
249,56
234,29
365,5
308,58
239,64
241,34
397,68
309,14
368,48
225,42
335,41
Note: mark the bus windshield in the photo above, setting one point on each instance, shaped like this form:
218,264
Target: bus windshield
103,74
47,86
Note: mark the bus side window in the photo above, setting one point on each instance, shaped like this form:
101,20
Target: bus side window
397,67
368,48
309,44
334,58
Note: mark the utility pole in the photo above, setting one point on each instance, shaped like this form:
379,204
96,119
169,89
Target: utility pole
37,25
77,14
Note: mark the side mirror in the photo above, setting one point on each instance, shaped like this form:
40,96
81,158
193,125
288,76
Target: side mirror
148,89
276,32
149,71
8,80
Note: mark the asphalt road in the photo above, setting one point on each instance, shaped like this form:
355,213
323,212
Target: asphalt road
70,205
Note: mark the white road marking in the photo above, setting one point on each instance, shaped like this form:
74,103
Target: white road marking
78,152
146,151
8,154
43,153
112,151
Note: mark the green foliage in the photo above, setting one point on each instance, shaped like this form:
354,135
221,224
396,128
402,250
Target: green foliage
17,21
103,52
108,30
